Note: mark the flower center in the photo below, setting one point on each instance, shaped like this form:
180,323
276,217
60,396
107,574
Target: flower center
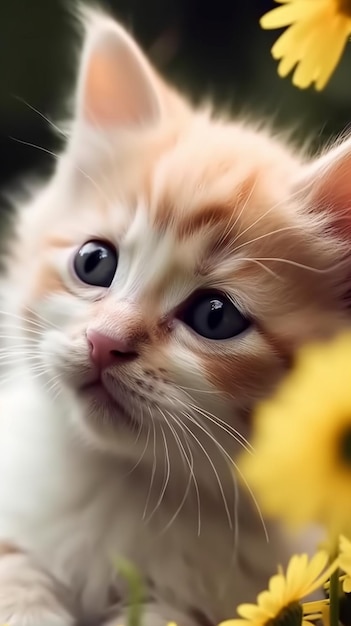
290,615
345,446
344,6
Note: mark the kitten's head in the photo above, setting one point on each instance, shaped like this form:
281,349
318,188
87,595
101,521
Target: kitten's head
175,262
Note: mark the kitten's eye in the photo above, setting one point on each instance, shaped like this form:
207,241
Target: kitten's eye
95,263
214,316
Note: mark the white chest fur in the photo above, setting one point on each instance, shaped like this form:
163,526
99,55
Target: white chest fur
77,513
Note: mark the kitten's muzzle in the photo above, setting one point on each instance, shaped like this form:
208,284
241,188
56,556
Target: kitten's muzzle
106,351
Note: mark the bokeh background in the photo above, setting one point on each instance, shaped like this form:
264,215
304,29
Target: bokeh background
214,49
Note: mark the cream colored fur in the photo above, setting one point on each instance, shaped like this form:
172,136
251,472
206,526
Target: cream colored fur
191,203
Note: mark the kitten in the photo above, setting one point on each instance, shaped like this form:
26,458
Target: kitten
155,291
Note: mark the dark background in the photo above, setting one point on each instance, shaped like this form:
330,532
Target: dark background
212,49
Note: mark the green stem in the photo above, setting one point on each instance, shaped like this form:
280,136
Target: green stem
135,592
334,599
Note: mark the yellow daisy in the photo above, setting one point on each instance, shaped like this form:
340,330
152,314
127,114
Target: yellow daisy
345,563
281,603
315,41
301,467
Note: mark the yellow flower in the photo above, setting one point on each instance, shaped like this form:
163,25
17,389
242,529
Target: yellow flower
315,41
300,470
345,563
282,599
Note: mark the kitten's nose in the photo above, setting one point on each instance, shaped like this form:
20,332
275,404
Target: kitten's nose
106,351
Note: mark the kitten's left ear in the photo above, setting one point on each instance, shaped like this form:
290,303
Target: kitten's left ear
325,186
117,86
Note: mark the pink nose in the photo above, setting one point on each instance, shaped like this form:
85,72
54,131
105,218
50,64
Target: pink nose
106,351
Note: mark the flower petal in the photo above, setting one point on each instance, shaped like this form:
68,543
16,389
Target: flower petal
249,611
235,622
288,14
291,41
333,51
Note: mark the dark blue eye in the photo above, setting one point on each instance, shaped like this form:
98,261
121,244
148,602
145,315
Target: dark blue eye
214,316
95,263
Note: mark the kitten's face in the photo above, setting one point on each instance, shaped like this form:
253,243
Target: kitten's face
177,274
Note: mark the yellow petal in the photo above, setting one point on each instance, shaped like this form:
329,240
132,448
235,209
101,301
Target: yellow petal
234,622
309,66
346,585
291,41
296,572
250,611
288,14
317,564
317,606
335,45
344,544
268,603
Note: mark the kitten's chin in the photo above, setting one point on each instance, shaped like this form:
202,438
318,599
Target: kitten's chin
101,406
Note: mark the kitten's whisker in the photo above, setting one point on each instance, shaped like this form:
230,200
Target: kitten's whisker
23,328
47,119
229,230
154,463
52,383
192,477
213,392
295,264
26,320
43,319
263,215
232,463
17,359
198,442
264,267
264,236
57,157
19,349
167,471
143,451
15,373
233,432
257,506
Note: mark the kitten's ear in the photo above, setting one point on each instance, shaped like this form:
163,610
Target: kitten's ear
117,87
325,185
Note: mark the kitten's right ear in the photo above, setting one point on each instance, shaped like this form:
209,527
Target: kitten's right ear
117,87
325,187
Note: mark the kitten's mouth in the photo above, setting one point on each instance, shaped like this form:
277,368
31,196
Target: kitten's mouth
95,393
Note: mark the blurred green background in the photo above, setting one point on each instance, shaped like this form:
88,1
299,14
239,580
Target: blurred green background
212,49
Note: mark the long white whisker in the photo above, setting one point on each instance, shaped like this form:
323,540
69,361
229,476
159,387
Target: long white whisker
43,319
47,119
263,215
232,463
167,473
295,264
233,432
142,453
154,464
27,320
23,328
57,156
264,236
192,477
198,442
229,230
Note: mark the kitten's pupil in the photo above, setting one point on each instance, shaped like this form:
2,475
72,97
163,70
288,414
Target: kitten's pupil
93,259
214,317
216,314
95,263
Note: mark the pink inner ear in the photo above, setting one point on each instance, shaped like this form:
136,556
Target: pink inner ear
116,92
333,193
326,185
